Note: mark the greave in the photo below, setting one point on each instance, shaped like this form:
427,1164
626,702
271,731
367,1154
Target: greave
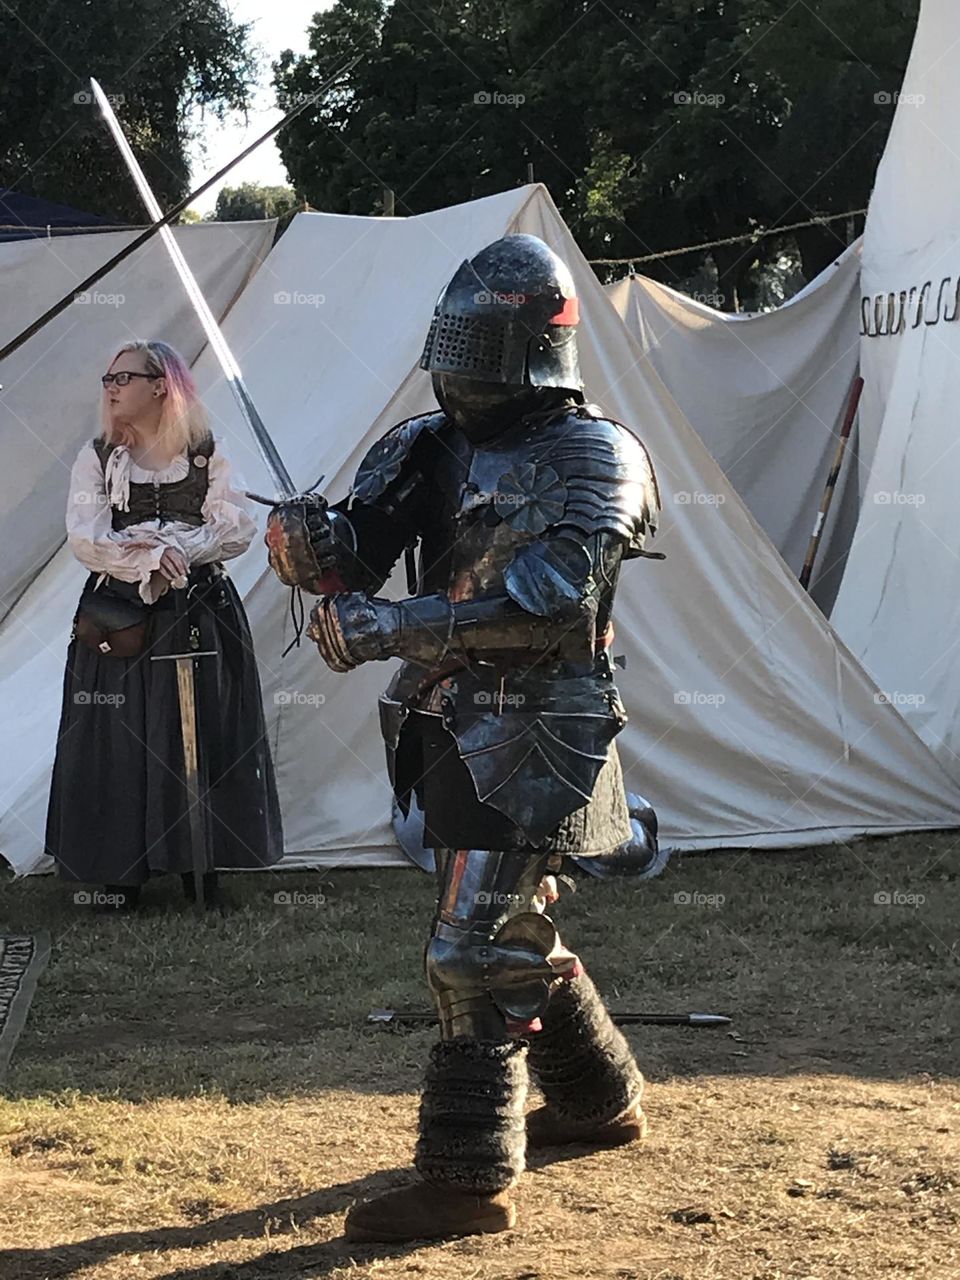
581,1060
472,1135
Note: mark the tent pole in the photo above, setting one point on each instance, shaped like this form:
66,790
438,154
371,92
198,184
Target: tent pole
852,403
52,312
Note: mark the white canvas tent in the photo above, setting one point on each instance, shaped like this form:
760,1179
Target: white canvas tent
48,407
765,392
899,603
751,724
50,396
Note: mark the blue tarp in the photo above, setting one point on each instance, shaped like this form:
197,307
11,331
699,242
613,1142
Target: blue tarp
29,211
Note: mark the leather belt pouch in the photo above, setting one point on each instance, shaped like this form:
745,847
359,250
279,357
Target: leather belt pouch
112,619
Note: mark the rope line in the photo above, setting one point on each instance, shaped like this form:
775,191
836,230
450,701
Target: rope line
818,221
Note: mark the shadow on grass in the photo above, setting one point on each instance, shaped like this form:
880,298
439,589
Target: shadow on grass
62,1260
837,960
57,1262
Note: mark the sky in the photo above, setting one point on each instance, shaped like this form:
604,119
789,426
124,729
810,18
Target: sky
278,25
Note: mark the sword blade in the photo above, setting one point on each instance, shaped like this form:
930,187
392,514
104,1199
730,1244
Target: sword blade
58,307
397,1017
186,694
231,370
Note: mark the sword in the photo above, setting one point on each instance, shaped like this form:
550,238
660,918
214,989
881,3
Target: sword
416,1017
188,642
296,540
231,370
52,312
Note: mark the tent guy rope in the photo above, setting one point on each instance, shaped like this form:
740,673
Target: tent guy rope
714,244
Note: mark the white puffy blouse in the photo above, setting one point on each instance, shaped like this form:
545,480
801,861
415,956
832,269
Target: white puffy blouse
133,554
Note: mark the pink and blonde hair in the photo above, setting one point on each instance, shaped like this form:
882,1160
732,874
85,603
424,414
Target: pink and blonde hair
183,420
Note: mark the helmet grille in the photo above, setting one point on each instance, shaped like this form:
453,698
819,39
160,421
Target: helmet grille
467,344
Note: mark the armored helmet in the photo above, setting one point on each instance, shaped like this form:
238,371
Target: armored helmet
506,326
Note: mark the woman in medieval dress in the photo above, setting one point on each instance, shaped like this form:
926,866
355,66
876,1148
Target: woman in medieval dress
153,512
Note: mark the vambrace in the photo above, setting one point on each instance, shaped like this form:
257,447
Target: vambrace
352,628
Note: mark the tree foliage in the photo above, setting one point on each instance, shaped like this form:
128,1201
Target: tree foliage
156,59
252,201
655,124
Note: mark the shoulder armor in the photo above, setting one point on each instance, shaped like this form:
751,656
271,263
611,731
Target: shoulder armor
610,482
384,461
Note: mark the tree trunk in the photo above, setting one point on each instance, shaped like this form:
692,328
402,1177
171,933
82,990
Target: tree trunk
733,263
819,246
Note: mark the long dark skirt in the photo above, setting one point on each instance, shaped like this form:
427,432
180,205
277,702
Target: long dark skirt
118,810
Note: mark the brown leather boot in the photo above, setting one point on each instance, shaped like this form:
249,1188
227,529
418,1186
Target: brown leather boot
545,1128
428,1211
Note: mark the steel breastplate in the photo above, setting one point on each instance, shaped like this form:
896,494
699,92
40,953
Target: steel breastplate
492,499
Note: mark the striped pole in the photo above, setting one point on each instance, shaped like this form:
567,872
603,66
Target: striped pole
853,402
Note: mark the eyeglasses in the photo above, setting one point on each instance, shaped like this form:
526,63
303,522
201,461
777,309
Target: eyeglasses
123,377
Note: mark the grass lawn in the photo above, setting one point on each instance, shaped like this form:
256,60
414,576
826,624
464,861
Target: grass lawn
201,1100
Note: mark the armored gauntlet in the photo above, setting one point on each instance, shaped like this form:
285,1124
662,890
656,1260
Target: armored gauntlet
309,545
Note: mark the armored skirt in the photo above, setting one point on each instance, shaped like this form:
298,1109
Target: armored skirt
455,817
118,810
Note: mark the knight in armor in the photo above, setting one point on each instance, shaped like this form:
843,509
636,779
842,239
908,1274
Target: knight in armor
515,505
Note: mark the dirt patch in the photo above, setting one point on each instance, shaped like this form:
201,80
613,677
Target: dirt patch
734,1180
203,1101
